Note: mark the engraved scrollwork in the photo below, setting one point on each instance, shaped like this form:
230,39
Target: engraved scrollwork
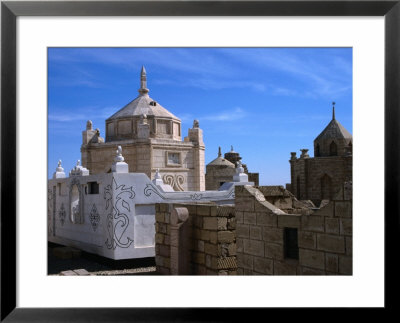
175,181
117,220
62,214
94,217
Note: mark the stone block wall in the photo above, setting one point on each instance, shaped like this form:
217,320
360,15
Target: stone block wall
324,238
211,238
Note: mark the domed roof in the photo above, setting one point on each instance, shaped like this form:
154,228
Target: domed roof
143,104
334,130
219,161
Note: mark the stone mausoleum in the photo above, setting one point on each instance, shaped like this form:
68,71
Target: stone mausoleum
320,178
151,139
222,169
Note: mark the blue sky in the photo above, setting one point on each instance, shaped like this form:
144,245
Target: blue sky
266,102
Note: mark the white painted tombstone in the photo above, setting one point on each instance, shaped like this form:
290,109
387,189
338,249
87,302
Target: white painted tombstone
113,214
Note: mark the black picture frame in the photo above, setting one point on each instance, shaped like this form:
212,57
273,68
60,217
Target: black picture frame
10,10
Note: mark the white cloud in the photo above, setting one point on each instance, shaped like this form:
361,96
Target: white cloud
228,115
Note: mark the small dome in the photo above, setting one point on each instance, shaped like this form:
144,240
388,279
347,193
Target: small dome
143,104
219,161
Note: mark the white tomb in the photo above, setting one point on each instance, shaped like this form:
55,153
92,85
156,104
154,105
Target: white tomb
113,214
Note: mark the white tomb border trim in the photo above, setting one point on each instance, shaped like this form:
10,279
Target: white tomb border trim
189,197
80,218
116,218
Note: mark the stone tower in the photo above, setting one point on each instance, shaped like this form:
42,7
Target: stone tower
151,139
320,178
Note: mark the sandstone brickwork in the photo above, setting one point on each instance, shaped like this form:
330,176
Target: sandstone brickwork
211,238
324,237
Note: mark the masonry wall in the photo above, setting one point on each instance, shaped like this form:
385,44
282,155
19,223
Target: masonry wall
306,175
324,237
212,239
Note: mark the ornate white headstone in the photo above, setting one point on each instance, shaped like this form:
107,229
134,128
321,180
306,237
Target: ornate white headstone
79,170
157,178
59,173
240,175
119,165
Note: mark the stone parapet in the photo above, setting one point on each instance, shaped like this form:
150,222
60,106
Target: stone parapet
210,235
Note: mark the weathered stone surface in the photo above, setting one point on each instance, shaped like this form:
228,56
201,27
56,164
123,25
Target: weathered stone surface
211,262
311,258
267,219
245,261
222,223
345,265
349,246
331,262
249,218
160,217
307,240
210,223
343,209
203,210
274,251
273,235
255,232
289,221
213,237
346,227
312,223
311,271
253,247
164,251
332,225
226,236
211,249
327,210
159,238
239,216
263,266
242,230
282,268
330,243
200,245
198,257
244,204
239,245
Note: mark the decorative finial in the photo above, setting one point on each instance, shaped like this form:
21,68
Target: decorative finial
119,158
196,123
239,168
231,148
78,162
143,82
143,118
219,152
157,174
59,171
333,110
89,125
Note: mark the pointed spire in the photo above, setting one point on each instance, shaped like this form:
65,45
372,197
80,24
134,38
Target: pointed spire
219,152
333,110
143,82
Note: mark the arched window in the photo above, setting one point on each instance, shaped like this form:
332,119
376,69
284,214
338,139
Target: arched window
317,151
333,149
326,187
